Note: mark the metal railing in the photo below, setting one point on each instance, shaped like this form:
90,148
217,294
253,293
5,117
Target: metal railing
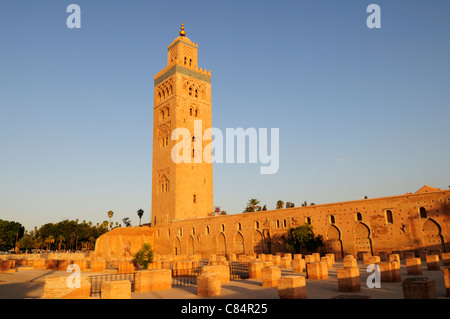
97,280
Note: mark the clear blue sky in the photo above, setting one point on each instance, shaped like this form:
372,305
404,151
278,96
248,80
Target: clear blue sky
361,111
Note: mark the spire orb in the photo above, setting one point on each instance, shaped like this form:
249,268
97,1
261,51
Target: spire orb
182,32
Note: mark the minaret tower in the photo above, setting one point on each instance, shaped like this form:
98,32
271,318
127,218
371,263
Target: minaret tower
182,95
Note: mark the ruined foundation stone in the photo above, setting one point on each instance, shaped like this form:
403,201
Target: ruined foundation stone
414,266
120,289
317,270
270,276
419,288
153,280
348,279
433,262
209,284
292,287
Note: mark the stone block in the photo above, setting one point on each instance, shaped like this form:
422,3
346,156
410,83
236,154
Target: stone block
276,260
433,262
287,255
386,271
348,279
221,270
317,270
292,287
350,261
419,288
255,269
446,272
316,257
120,289
153,280
298,265
208,285
59,288
413,266
285,263
394,257
374,260
328,261
39,264
396,276
332,256
309,259
270,276
297,256
446,259
366,257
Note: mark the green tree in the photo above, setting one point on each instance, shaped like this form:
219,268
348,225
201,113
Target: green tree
140,213
110,215
49,240
127,222
252,206
10,233
27,242
144,256
303,237
280,204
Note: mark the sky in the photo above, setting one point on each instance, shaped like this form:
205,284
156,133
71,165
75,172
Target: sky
360,111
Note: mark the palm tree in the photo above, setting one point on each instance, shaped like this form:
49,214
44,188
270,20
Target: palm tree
110,215
280,204
252,205
61,239
140,212
49,240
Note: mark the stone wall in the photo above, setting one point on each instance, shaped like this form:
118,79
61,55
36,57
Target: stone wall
379,225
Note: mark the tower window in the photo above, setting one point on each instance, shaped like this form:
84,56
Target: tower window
222,227
207,230
190,62
257,224
185,60
190,91
423,212
332,219
389,217
196,113
196,93
239,227
308,220
195,198
358,216
190,111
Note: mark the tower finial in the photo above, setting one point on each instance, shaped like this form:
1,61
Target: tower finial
182,33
